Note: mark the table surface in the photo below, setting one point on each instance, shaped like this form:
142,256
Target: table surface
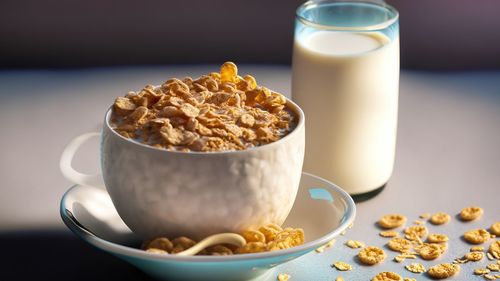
448,157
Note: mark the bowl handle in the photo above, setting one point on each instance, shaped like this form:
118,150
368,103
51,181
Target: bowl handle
67,157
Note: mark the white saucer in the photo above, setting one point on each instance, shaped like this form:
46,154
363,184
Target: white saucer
321,208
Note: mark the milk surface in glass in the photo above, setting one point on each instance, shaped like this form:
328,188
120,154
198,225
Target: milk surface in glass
347,81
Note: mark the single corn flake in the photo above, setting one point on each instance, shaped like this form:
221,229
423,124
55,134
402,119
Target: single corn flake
400,244
182,243
437,238
416,231
425,216
252,247
219,250
354,244
493,266
444,270
474,256
392,221
481,271
471,213
490,277
324,247
161,243
157,251
477,249
270,231
371,255
342,266
440,218
495,228
228,72
283,277
477,236
253,236
494,248
415,268
429,251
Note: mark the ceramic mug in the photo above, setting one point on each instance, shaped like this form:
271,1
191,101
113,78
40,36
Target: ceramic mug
158,192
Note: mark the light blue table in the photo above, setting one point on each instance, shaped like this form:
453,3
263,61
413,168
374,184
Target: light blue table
448,153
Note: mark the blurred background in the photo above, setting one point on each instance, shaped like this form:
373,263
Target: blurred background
438,35
62,63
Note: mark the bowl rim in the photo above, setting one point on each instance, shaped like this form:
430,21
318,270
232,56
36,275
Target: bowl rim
294,107
82,232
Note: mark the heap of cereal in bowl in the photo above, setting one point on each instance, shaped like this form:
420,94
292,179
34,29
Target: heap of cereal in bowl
267,238
216,112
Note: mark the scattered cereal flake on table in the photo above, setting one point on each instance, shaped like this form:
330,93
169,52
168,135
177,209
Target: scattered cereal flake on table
490,277
490,256
471,213
416,231
415,267
402,257
424,216
444,270
460,260
418,222
283,277
429,251
437,238
389,233
477,249
481,271
342,266
343,233
474,256
410,279
495,228
493,267
340,278
399,259
440,218
477,236
387,276
400,244
321,249
392,221
371,255
494,249
354,244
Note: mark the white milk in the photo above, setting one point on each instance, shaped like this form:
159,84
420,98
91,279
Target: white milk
347,84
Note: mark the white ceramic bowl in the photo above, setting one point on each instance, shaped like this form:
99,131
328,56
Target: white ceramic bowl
166,193
322,209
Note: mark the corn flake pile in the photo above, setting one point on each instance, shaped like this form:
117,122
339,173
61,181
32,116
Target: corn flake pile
270,237
216,112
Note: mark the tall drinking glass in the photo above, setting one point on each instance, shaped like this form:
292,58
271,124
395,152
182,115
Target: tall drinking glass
346,79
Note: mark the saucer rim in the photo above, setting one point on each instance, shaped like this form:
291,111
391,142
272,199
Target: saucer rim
348,219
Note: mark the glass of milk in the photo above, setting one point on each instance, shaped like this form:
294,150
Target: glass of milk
346,79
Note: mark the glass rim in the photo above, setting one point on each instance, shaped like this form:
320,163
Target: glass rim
379,26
